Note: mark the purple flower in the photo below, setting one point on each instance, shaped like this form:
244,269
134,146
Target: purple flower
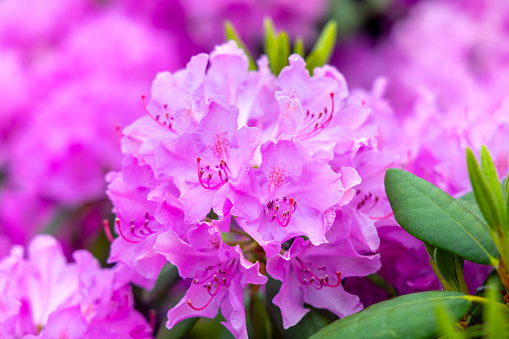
45,296
289,195
219,273
312,275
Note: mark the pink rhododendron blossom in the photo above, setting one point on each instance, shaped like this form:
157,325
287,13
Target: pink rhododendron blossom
46,296
231,168
307,270
219,274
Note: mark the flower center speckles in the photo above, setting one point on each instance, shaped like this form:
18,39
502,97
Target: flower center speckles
213,279
220,146
281,210
137,231
314,275
277,176
368,201
212,178
166,120
314,123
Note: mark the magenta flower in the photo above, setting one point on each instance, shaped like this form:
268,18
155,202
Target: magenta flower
219,273
312,275
45,296
289,195
276,160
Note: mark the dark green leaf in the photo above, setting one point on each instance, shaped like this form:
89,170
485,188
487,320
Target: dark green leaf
433,216
482,192
383,284
259,319
451,269
323,48
231,34
313,321
408,316
177,331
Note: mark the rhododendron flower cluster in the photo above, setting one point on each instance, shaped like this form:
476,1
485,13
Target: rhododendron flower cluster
447,98
44,296
233,175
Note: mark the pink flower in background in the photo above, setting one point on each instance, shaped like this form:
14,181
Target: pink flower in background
46,296
71,83
199,23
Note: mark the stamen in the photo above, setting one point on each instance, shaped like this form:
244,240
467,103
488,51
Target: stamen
165,124
383,217
117,221
313,125
152,318
223,177
107,230
199,308
318,282
274,212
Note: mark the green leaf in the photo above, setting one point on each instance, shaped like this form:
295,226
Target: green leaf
231,34
476,331
433,216
408,316
446,325
259,318
482,192
476,310
177,331
495,319
323,48
450,267
283,52
298,47
490,175
313,321
271,47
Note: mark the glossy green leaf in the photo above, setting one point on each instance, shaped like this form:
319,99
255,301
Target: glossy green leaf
298,47
433,216
490,175
482,192
408,316
323,48
231,34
